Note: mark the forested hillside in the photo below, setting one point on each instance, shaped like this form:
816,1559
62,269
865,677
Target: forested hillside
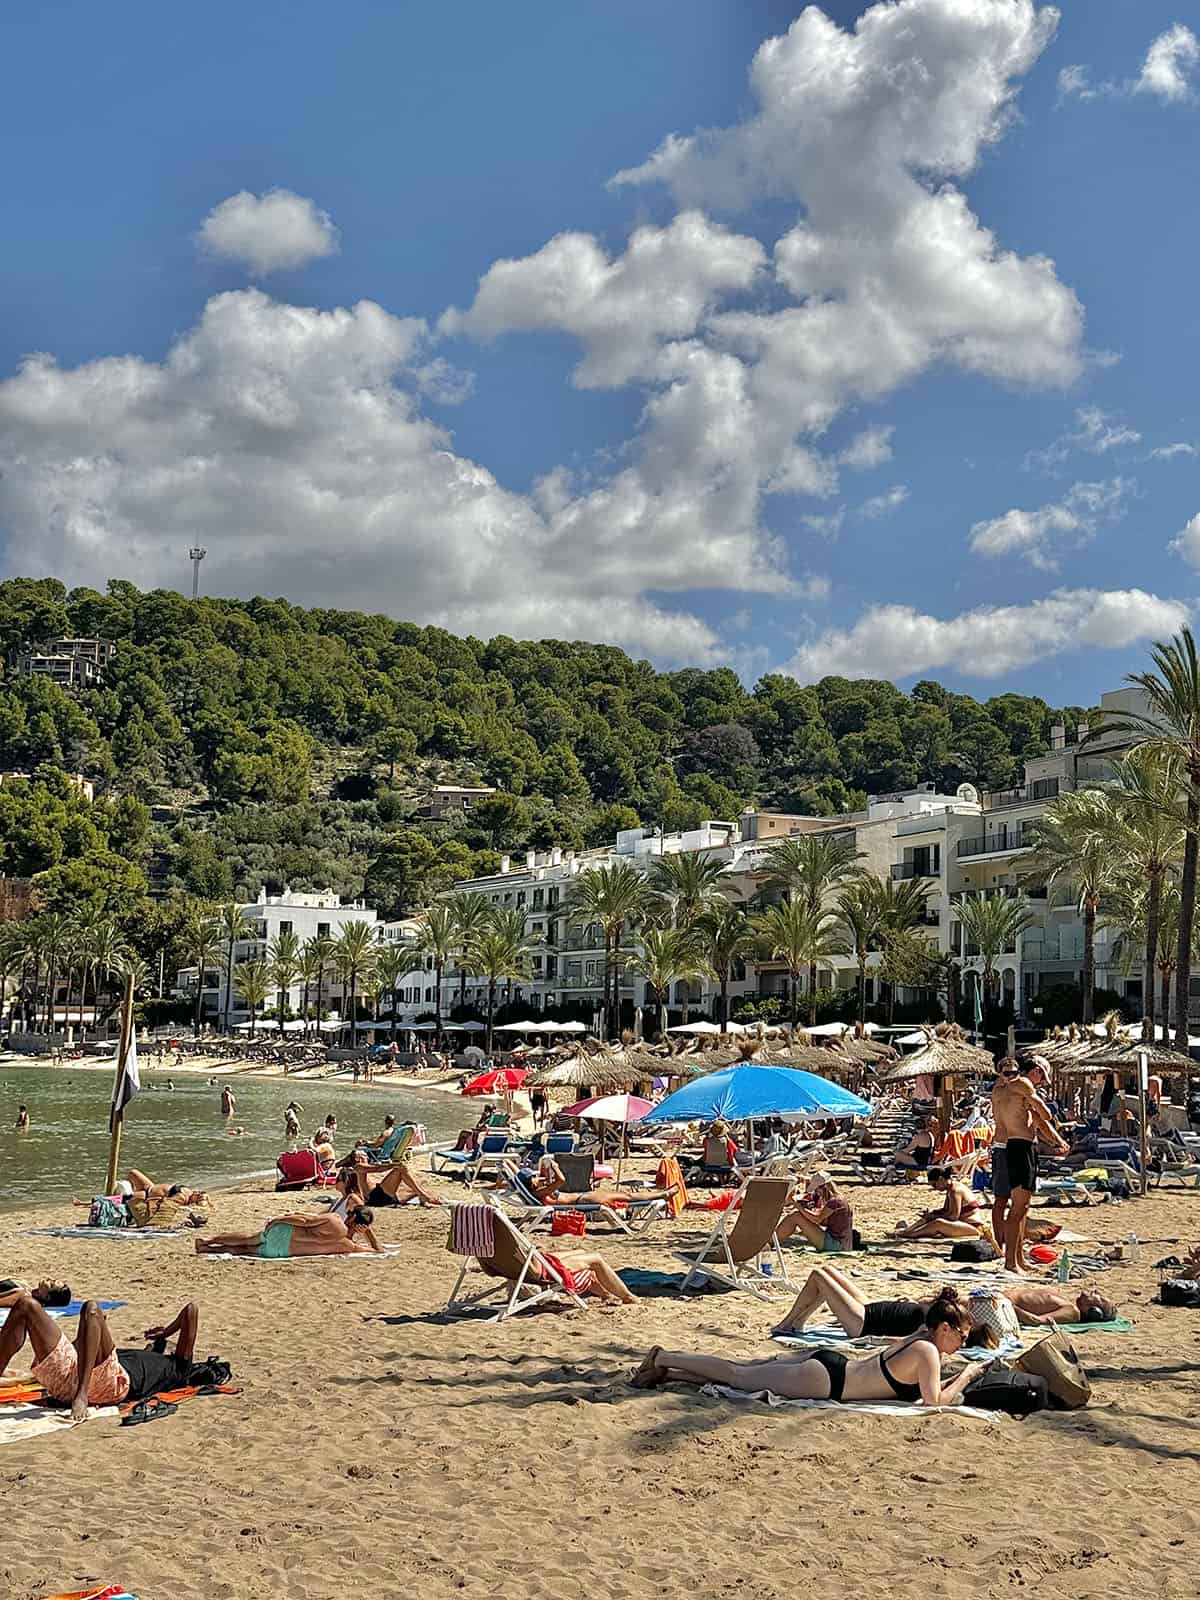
242,742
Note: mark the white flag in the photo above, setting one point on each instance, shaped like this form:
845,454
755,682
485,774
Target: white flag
128,1083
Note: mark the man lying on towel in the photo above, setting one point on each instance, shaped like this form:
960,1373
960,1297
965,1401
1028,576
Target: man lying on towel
48,1292
92,1371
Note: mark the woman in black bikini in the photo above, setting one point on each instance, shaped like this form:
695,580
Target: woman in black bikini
910,1371
860,1317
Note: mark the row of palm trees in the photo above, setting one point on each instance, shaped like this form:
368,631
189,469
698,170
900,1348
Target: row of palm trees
82,955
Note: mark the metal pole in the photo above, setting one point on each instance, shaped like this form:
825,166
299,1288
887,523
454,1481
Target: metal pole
1143,1073
114,1146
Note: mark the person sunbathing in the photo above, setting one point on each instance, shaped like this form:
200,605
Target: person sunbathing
585,1275
92,1370
1038,1305
823,1217
860,1317
145,1188
958,1216
47,1292
326,1235
910,1371
398,1185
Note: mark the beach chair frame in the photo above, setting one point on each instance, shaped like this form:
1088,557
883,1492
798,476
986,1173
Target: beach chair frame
517,1293
729,1269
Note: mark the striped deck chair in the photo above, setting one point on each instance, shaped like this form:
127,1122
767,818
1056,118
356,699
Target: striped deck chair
730,1255
486,1237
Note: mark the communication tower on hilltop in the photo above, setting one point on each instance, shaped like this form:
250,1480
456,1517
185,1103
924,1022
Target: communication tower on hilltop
196,554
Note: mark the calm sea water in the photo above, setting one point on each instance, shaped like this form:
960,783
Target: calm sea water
179,1135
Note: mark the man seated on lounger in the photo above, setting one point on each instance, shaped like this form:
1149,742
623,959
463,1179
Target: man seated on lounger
92,1370
958,1217
326,1235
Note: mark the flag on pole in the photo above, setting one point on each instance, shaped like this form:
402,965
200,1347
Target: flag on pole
128,1083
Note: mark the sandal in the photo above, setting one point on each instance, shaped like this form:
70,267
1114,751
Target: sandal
149,1410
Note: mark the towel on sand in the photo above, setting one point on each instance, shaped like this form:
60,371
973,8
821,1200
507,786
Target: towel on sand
28,1421
334,1255
881,1408
82,1231
72,1310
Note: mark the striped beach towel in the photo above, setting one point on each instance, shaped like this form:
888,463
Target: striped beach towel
472,1231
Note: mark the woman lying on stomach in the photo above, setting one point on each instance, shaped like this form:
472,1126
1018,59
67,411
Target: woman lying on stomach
910,1370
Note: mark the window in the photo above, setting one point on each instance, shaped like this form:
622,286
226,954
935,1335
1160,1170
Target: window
539,898
520,897
285,927
551,897
322,930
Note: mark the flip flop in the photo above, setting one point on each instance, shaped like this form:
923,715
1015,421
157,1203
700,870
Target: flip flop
148,1411
648,1375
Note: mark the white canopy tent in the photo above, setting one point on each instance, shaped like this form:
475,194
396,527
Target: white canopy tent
707,1028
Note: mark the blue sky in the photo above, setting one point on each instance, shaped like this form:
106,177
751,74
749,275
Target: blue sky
869,379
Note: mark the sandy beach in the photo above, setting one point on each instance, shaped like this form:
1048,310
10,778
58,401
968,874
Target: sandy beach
378,1449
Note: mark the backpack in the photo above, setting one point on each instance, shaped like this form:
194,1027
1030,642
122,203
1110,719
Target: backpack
973,1250
213,1371
1180,1292
107,1213
1054,1359
1016,1394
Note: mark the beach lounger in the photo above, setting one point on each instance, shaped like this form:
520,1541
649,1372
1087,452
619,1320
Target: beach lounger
394,1148
627,1213
730,1254
560,1144
486,1237
300,1169
489,1153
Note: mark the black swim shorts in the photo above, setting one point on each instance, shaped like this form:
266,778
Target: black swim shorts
1022,1164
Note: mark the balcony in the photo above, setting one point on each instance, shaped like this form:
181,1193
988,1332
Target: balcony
904,871
1001,842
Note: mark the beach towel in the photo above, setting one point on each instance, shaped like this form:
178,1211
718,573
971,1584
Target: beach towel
879,1408
1117,1325
72,1310
28,1420
172,1397
119,1235
110,1591
472,1231
330,1255
670,1176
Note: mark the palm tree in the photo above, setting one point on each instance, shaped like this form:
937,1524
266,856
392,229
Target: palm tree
252,980
666,956
858,907
106,951
391,964
501,950
55,938
899,906
1073,857
809,868
614,896
354,956
800,937
438,938
1148,833
234,926
684,886
725,935
994,923
11,942
316,959
470,912
283,953
1172,727
202,946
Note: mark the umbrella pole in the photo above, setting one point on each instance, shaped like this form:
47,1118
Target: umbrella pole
1143,1073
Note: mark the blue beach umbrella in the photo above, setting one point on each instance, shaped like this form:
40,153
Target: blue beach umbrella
740,1093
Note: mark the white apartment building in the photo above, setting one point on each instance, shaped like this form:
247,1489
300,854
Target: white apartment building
965,844
308,916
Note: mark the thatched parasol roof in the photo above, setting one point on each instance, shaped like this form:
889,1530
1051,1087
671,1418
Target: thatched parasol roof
604,1072
1114,1053
947,1053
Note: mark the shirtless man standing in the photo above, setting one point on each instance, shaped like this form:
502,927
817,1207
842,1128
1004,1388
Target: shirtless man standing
1021,1115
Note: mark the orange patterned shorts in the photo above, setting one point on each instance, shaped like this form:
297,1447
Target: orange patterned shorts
58,1374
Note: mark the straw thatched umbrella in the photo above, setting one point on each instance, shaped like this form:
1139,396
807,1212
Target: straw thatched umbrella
946,1055
606,1073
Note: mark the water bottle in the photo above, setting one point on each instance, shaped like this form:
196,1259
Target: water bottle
767,1270
1064,1265
1131,1247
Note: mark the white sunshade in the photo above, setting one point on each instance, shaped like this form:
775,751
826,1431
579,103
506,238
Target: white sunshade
706,1027
571,1027
825,1030
520,1027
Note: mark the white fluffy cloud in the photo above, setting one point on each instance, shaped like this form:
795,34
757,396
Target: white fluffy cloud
288,440
871,448
882,505
1170,65
1038,535
269,232
1187,544
1172,452
898,641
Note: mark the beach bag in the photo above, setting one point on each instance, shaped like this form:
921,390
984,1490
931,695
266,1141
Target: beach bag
107,1213
162,1212
573,1222
973,1250
988,1308
200,1374
1016,1394
1055,1360
1180,1292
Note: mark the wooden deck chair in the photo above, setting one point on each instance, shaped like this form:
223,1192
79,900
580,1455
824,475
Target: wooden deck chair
525,1277
730,1254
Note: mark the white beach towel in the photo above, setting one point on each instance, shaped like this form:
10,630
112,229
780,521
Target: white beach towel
881,1408
333,1255
29,1421
82,1231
